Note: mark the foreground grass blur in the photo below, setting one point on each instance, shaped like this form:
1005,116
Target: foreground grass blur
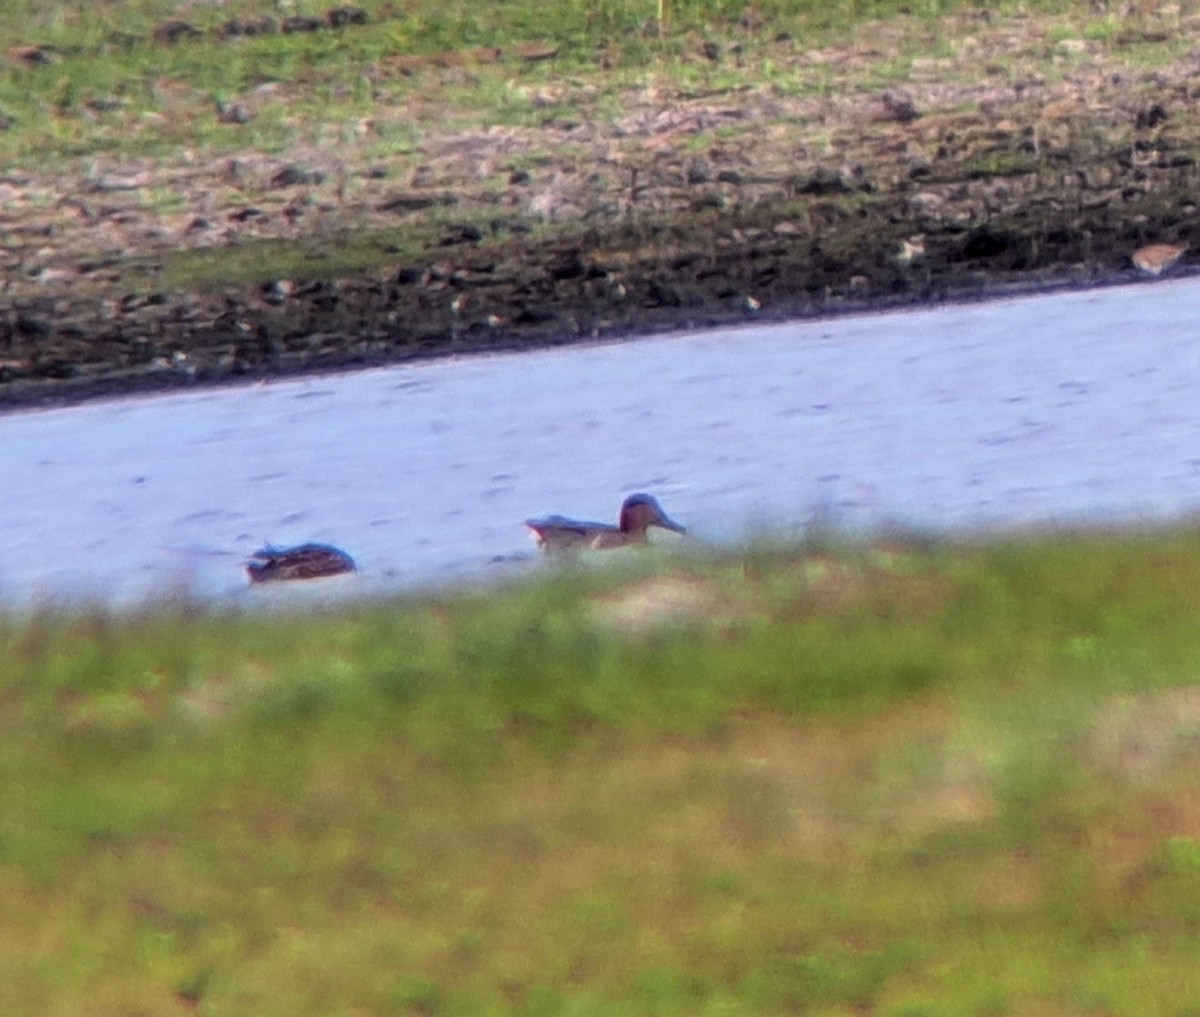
904,780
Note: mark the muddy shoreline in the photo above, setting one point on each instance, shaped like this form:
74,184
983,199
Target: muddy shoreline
65,382
688,210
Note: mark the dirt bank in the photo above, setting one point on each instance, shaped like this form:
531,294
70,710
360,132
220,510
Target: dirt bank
1019,162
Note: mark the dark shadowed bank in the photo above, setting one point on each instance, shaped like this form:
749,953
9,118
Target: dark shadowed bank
1024,160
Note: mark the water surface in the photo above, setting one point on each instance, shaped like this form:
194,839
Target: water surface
1059,408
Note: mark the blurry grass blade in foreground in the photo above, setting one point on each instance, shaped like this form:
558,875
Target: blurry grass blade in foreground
972,766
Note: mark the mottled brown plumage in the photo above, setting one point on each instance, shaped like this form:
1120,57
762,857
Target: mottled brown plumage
305,561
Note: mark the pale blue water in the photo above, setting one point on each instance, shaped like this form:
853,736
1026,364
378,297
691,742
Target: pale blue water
1061,408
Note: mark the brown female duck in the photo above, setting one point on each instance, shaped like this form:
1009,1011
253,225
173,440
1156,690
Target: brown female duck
638,513
305,561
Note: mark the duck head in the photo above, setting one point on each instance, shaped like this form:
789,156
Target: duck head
641,511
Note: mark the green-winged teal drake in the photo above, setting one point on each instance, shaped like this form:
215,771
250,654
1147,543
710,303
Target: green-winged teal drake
304,561
638,513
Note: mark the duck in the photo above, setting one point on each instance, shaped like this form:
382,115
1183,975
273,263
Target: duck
304,561
638,513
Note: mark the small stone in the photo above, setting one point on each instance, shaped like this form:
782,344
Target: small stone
340,17
32,56
298,23
32,327
1155,259
697,170
291,176
233,113
248,26
911,249
174,30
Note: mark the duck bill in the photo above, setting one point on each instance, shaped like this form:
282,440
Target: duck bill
667,523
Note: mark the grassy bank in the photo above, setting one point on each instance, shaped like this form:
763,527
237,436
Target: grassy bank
145,78
897,780
195,194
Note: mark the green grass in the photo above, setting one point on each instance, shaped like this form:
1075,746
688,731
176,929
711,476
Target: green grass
950,780
115,98
113,86
321,256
